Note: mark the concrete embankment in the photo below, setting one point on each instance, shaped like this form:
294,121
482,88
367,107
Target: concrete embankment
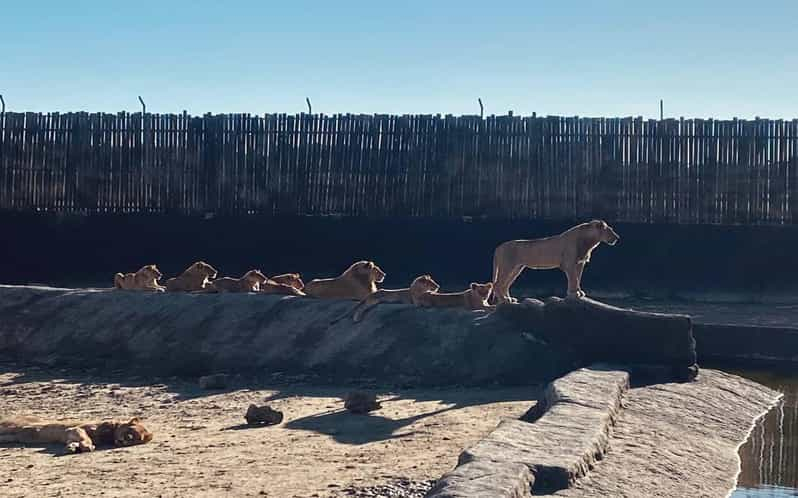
193,334
669,439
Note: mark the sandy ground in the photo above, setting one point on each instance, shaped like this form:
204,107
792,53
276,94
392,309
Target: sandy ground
201,447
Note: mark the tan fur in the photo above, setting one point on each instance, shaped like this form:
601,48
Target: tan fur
272,287
292,279
145,279
357,282
569,251
77,436
402,296
195,277
249,282
474,298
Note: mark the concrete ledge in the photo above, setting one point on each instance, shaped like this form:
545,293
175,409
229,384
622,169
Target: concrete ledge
485,479
197,334
560,446
678,439
595,332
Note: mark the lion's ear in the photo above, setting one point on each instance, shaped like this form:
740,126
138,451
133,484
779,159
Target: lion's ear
134,420
474,285
371,264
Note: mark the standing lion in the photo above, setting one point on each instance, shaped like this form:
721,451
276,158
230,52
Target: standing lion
569,251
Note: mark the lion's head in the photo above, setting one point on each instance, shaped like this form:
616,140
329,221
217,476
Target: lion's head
131,432
202,268
603,232
425,283
290,279
482,291
150,272
366,270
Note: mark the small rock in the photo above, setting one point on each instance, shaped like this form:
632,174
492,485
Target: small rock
263,415
216,381
361,402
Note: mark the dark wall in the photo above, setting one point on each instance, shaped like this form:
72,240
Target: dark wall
79,251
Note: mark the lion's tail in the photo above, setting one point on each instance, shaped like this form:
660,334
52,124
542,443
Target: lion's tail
118,278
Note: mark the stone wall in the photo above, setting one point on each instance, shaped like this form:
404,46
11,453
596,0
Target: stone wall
192,334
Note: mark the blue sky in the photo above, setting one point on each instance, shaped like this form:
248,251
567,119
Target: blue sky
706,58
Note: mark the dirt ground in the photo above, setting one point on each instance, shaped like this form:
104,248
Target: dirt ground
202,448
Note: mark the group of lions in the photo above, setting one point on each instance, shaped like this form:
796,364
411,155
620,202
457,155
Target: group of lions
569,251
358,282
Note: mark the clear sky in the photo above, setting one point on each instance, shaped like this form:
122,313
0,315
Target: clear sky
705,58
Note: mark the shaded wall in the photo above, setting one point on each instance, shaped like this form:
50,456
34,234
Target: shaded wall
79,251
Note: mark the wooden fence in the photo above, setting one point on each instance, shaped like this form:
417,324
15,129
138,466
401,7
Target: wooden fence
624,169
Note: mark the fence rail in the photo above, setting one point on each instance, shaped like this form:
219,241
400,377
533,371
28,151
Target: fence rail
624,169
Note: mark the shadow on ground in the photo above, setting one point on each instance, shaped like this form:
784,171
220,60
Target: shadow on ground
335,421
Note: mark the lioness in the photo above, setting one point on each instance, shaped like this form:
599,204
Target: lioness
77,436
249,282
422,284
568,251
195,277
271,286
145,279
474,298
292,279
357,282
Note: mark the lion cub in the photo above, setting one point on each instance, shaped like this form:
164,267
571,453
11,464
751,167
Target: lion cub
195,277
77,436
475,298
357,282
424,283
145,279
249,282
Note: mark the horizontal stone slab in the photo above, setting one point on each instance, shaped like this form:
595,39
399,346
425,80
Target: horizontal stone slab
679,439
563,442
485,479
594,332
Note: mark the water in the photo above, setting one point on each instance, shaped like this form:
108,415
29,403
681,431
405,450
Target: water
770,456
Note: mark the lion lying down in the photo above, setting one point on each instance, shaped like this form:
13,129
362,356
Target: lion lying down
423,283
195,277
249,282
474,298
356,283
77,436
146,278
